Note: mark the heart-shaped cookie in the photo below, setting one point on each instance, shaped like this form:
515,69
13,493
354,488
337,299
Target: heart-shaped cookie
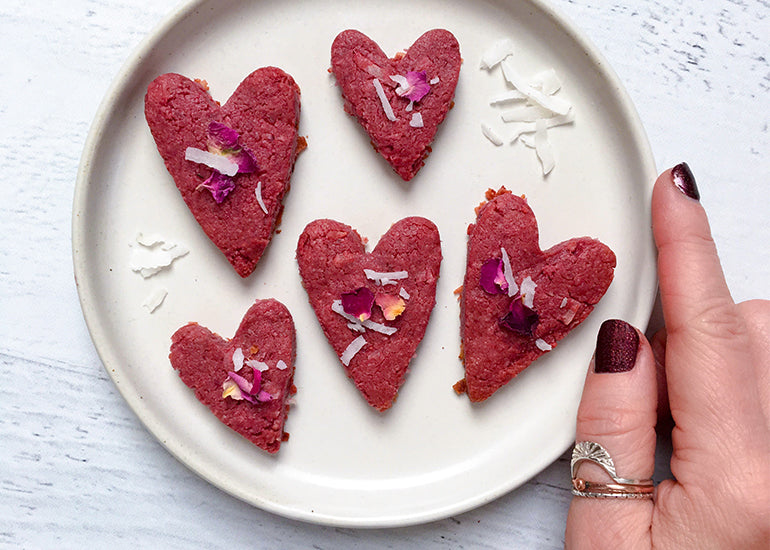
401,101
375,341
510,316
263,113
246,381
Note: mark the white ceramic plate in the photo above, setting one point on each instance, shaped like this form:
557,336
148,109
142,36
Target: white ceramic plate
433,454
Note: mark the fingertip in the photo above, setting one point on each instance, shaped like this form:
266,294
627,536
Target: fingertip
618,406
689,269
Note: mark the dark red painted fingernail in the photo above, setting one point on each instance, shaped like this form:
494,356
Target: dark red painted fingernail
616,347
685,181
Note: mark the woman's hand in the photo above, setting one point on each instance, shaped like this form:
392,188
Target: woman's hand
715,356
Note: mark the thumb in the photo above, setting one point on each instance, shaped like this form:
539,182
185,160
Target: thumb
617,411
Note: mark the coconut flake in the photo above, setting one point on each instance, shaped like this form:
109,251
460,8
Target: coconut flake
546,81
508,273
563,302
490,134
403,293
258,193
528,292
220,163
384,100
281,365
552,103
155,299
379,327
369,324
416,121
499,51
543,147
147,260
385,277
525,113
505,97
543,345
150,241
433,81
358,327
258,365
237,359
531,127
353,348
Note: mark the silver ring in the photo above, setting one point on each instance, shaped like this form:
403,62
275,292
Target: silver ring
620,488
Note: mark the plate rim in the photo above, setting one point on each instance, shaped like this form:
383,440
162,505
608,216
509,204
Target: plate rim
107,110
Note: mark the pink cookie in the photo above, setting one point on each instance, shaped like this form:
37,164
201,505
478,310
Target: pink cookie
375,338
259,122
400,102
502,330
262,351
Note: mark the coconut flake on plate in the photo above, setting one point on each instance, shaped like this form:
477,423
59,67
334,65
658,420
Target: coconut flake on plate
543,147
546,81
521,128
499,51
525,113
491,134
505,97
155,299
555,104
149,259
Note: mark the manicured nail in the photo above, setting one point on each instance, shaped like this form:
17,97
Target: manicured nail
685,181
616,347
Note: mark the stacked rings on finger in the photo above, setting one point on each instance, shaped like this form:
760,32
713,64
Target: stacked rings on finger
619,488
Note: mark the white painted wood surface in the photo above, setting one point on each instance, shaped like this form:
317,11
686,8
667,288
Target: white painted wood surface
77,469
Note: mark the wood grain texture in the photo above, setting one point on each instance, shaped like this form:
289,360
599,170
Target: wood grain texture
77,470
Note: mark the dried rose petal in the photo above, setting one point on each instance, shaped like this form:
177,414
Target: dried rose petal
244,385
414,86
492,278
230,389
358,303
519,319
391,306
219,185
238,388
222,141
221,137
245,161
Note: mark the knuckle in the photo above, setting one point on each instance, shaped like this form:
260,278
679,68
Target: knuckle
716,320
612,421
